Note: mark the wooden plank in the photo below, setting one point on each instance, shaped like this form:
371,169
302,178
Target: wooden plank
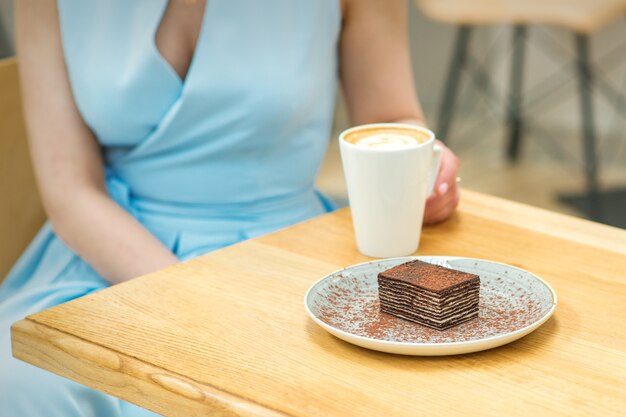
114,373
575,229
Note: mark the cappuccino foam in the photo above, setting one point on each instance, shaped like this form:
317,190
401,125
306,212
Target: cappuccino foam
386,138
386,141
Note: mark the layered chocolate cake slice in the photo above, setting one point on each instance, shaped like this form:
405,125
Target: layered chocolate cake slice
429,294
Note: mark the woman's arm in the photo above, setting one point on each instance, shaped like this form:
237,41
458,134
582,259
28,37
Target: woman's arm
67,159
375,70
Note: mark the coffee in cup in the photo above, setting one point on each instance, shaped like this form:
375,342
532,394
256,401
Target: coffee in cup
386,138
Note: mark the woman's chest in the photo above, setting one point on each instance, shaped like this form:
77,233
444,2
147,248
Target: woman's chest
267,61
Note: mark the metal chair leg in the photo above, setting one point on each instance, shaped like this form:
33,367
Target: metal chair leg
585,79
514,109
457,63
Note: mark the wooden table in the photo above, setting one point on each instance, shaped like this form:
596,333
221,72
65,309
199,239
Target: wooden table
227,334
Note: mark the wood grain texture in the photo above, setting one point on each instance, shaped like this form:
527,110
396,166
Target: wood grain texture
21,212
115,373
545,221
583,16
233,323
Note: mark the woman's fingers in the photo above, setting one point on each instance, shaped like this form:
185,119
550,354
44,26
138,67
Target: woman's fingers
448,170
441,207
441,204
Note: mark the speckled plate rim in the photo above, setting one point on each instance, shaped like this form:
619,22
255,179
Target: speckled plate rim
429,349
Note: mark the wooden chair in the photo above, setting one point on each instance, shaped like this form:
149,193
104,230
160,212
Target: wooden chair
582,17
21,212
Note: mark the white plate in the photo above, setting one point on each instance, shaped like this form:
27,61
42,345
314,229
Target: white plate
513,303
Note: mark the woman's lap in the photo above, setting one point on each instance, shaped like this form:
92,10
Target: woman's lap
44,277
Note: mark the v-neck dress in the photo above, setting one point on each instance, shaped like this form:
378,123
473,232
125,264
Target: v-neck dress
228,153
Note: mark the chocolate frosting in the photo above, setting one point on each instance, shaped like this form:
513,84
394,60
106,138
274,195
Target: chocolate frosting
428,276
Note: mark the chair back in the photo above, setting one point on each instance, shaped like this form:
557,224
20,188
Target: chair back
21,212
581,16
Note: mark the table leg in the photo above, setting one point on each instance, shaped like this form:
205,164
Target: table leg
459,58
514,109
585,78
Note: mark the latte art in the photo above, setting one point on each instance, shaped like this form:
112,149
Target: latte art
386,141
386,138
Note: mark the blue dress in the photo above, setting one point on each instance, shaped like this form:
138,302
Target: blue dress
228,153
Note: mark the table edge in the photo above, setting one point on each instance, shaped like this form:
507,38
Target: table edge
548,222
75,358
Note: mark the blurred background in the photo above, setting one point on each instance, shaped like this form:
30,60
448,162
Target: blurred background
550,170
550,167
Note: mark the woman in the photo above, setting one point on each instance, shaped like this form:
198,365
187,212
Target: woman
162,130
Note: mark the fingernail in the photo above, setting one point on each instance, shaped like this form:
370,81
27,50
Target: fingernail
443,188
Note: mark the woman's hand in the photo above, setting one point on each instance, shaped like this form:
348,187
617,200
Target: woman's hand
445,197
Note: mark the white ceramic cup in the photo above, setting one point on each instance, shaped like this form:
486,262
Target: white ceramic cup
388,188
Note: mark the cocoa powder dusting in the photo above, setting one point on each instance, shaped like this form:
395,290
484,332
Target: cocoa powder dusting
428,276
351,304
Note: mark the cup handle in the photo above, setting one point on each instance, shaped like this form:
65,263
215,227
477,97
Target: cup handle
434,170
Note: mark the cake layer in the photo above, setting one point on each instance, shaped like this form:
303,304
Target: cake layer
418,298
432,323
467,311
423,298
427,309
402,287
